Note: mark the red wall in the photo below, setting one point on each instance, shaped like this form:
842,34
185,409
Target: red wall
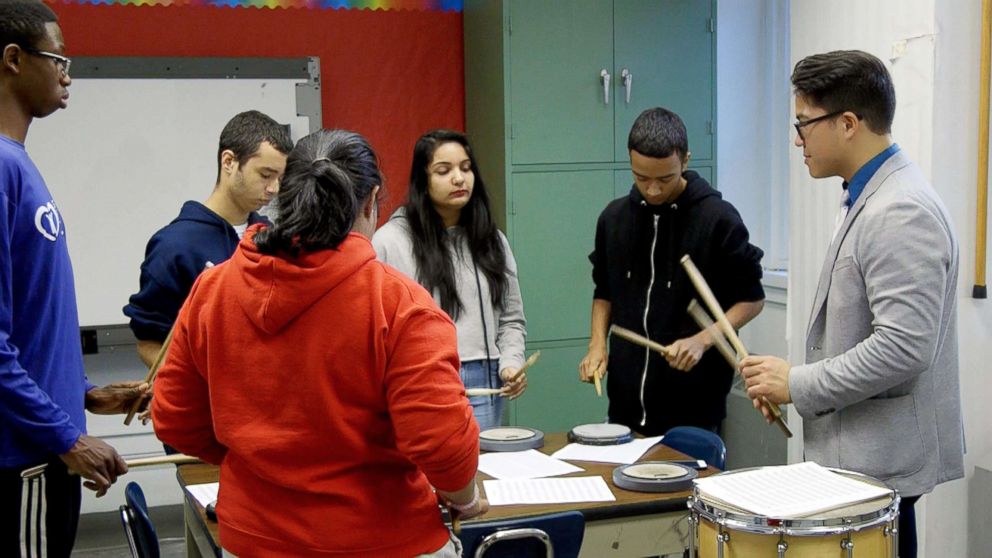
389,75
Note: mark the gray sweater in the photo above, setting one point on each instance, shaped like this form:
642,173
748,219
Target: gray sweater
506,327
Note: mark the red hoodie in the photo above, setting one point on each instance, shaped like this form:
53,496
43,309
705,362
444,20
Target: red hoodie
327,389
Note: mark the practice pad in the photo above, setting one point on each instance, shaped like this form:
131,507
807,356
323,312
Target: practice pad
511,438
654,476
600,434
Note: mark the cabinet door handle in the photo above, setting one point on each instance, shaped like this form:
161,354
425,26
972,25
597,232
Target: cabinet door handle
606,85
628,81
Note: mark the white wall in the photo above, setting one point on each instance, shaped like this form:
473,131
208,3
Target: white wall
954,163
933,53
753,119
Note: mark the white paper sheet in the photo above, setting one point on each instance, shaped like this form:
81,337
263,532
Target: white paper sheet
529,464
204,493
547,491
622,454
789,491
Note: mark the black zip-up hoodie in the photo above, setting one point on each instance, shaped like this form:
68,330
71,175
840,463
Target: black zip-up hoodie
637,252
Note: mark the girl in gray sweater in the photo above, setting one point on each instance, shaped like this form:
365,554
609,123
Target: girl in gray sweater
445,238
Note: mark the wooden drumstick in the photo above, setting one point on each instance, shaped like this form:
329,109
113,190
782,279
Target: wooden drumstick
177,459
151,375
728,330
638,339
598,383
475,392
704,322
530,362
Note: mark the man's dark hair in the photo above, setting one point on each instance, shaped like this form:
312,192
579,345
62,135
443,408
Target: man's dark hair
658,133
245,133
848,80
22,22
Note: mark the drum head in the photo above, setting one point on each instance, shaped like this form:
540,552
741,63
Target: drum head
654,476
863,515
601,434
512,438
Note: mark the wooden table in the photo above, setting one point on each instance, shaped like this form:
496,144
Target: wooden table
636,524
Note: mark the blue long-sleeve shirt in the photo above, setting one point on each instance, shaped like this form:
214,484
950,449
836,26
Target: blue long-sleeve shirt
42,383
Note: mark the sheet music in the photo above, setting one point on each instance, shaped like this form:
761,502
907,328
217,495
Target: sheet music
204,493
622,454
548,491
529,464
789,491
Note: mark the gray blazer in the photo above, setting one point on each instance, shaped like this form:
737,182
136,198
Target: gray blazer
879,393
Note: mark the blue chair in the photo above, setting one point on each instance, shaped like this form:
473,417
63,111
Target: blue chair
697,443
138,527
557,535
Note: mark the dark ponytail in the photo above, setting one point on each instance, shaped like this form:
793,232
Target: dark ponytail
329,175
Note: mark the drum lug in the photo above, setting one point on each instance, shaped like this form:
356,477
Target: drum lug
782,546
693,521
895,540
721,538
848,545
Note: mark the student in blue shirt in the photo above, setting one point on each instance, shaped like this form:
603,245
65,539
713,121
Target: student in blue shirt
44,392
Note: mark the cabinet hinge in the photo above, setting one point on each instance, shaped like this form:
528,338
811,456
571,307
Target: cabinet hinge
712,25
511,131
709,127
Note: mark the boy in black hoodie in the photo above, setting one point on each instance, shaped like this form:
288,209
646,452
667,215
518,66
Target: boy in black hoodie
640,285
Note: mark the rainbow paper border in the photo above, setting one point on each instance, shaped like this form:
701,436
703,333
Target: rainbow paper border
415,5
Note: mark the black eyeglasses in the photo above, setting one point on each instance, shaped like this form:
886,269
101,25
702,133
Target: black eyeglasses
800,124
62,62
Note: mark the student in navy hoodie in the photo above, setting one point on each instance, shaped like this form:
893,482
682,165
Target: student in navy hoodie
251,160
640,285
44,392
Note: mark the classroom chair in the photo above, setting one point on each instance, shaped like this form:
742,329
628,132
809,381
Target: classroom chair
698,444
138,527
557,535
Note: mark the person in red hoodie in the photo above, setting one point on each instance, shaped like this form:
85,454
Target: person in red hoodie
323,382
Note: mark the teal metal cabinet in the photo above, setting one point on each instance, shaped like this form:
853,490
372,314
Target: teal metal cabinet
666,48
548,114
559,56
554,226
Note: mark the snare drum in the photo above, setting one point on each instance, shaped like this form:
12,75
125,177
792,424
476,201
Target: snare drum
600,434
865,530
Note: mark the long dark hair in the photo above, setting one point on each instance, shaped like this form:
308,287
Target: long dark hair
435,268
329,175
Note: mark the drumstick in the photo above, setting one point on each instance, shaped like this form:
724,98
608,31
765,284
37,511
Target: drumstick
704,322
474,392
530,362
597,383
151,375
728,330
638,339
177,459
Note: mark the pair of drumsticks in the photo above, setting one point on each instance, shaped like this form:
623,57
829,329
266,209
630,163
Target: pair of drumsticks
724,337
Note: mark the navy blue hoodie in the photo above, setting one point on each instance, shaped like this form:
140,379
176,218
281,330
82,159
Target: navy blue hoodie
174,258
636,268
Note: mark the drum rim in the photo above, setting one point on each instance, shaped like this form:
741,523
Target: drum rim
613,441
533,433
798,527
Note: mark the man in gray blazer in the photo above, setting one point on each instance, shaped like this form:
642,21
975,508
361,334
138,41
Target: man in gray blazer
879,392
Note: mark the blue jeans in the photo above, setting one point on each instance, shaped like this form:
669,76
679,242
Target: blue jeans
488,409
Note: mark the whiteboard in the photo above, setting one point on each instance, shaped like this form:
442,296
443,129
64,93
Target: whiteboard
125,156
